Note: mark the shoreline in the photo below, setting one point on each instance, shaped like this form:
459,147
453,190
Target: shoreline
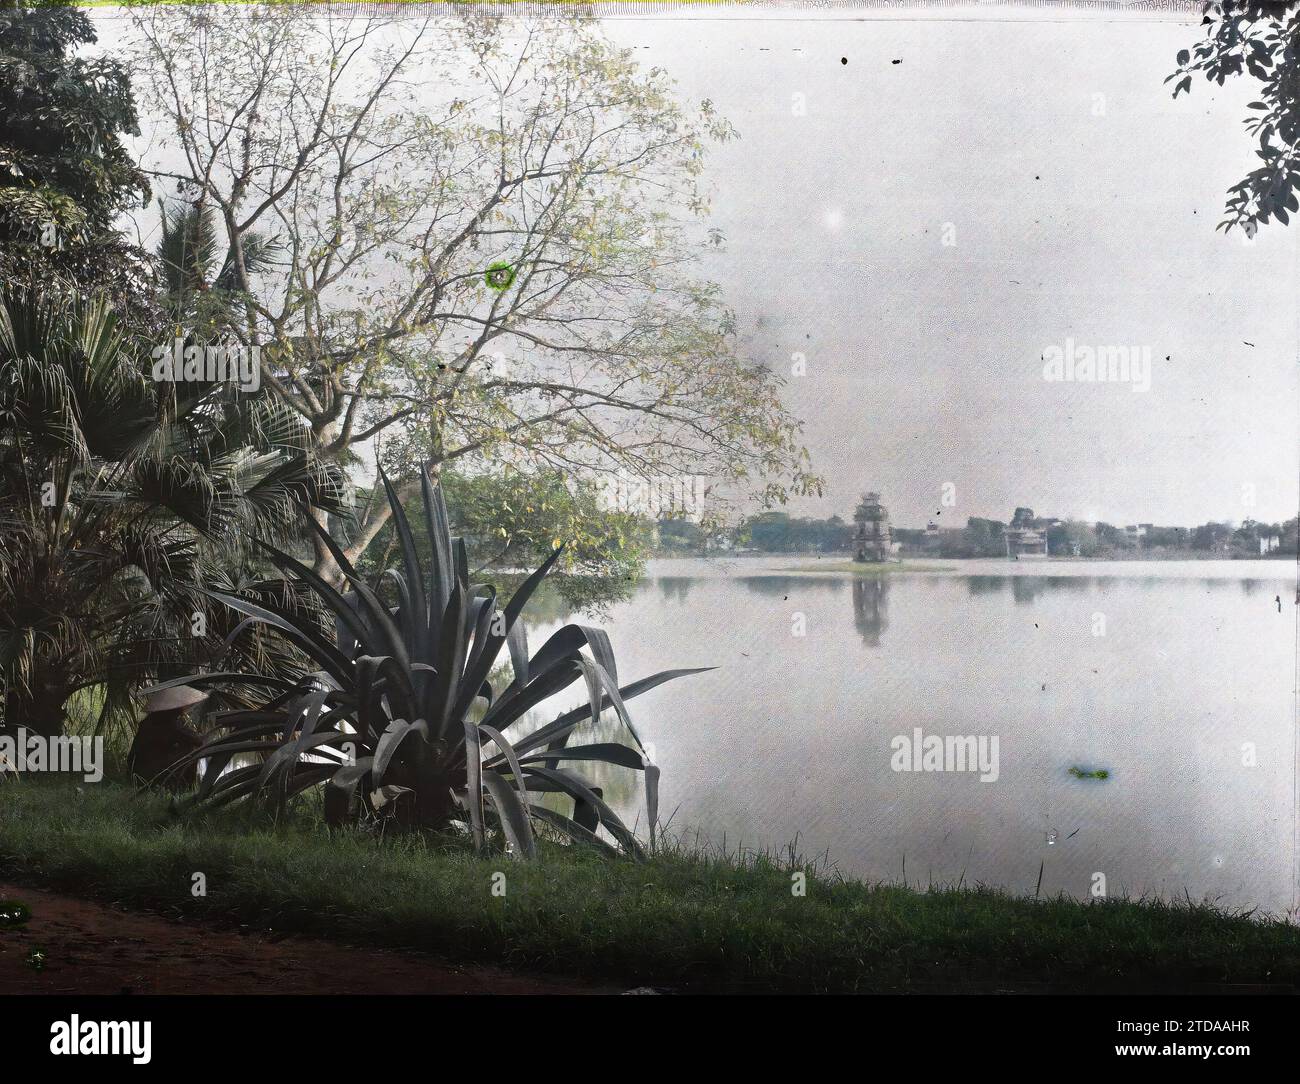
683,920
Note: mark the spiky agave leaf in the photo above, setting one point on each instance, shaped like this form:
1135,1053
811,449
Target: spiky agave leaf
404,688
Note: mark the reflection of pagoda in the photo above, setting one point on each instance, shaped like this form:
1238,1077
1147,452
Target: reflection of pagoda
871,540
869,597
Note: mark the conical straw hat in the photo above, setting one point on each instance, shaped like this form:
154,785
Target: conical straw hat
178,696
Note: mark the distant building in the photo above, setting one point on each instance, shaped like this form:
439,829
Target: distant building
1022,538
931,541
1135,532
1025,542
872,540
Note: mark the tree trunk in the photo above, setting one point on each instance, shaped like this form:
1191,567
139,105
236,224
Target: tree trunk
324,564
380,512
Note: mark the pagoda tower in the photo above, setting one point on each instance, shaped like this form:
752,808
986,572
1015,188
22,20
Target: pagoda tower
872,539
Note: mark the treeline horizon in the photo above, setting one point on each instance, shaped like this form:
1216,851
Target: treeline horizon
780,532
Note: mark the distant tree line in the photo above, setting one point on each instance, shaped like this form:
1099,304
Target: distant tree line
779,532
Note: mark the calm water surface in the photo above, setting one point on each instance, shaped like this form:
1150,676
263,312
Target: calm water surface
1171,676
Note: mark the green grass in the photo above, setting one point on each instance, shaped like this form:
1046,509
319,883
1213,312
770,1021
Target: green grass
685,919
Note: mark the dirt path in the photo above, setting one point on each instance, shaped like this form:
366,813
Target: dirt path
93,949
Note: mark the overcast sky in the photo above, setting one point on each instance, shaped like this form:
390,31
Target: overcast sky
1083,203
1073,215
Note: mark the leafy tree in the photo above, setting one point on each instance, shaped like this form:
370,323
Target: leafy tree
683,536
778,532
1110,535
1247,535
64,175
490,239
120,500
1288,540
515,519
1064,535
1168,537
1211,536
1261,40
984,537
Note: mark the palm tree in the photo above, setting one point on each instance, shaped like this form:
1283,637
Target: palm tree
196,291
120,500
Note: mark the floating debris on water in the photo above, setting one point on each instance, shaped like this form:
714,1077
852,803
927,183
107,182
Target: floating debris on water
1089,773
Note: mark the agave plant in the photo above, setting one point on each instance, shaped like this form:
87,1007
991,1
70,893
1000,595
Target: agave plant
401,711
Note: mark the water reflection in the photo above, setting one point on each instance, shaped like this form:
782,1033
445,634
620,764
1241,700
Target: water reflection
674,588
1025,589
1211,583
870,594
787,585
622,788
792,734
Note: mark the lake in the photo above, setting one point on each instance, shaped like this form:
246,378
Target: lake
1175,678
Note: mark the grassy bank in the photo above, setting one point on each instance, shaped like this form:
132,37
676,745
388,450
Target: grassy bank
683,920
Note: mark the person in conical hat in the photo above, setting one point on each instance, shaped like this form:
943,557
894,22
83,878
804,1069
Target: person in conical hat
163,738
